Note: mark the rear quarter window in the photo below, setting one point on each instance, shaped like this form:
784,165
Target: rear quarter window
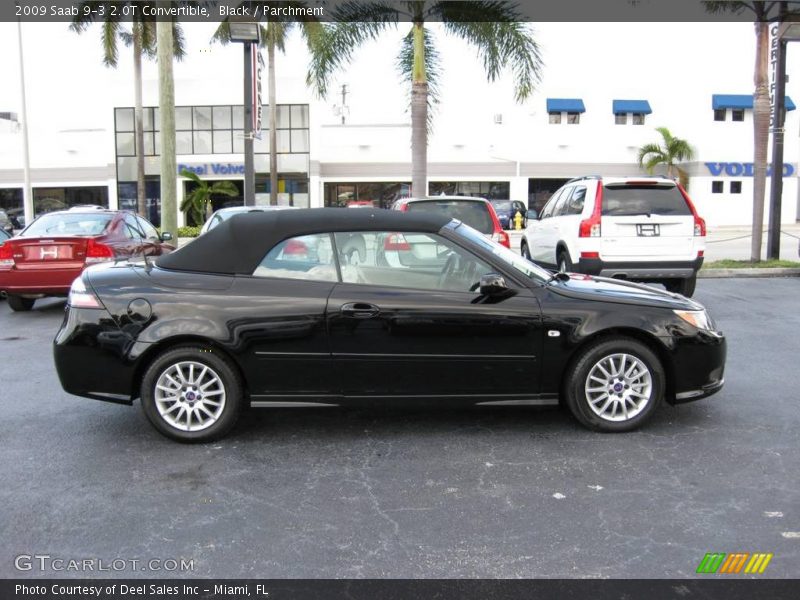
629,200
473,213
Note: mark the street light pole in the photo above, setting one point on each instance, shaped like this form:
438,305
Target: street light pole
249,162
776,179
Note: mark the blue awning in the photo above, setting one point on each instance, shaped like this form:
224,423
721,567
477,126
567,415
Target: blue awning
620,107
573,105
741,101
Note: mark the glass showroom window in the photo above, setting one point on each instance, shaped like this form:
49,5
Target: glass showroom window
737,114
716,187
555,118
719,114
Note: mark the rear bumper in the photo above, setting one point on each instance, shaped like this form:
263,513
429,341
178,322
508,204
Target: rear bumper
640,269
51,282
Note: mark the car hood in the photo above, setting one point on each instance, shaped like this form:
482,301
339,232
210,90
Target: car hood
605,289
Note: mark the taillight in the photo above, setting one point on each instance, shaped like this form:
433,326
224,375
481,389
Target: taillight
81,297
590,255
6,256
699,222
396,242
501,237
701,253
591,227
404,207
97,252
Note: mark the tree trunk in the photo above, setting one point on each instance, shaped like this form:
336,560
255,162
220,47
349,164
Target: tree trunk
166,103
273,117
761,110
141,196
419,117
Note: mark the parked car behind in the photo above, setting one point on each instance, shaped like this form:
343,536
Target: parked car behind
475,212
46,257
223,214
506,211
265,311
6,223
635,228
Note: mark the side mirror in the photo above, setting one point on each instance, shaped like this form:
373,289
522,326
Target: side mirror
166,236
493,284
532,215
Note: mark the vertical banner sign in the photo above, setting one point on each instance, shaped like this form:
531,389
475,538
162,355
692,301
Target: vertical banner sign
773,75
257,68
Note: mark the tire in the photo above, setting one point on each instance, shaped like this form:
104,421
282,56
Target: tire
20,304
217,374
563,262
684,287
582,389
525,251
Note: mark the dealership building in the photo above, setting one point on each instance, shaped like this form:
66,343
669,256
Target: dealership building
491,148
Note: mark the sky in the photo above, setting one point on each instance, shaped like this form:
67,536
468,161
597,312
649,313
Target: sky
68,87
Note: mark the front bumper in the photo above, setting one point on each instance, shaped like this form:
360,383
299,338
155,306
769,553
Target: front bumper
698,365
640,270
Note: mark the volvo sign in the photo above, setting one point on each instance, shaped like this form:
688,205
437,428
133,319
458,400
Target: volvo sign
737,169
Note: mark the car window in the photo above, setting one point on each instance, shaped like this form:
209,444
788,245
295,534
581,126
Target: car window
474,213
68,224
574,205
547,211
409,260
558,209
648,199
149,231
307,257
132,231
216,219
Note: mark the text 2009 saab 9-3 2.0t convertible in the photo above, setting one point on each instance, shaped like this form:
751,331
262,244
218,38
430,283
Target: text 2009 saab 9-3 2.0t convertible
275,308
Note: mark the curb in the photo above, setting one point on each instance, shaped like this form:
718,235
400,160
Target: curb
748,272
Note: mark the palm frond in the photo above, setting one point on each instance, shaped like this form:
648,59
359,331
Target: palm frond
652,162
502,40
646,150
433,69
109,33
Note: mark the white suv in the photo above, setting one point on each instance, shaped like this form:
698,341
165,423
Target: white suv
637,228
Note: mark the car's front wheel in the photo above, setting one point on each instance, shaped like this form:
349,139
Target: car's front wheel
20,304
614,385
192,394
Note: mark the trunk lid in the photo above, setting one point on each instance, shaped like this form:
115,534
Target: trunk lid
48,253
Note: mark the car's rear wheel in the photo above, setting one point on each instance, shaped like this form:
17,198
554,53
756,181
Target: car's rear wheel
685,287
192,394
564,263
20,304
614,385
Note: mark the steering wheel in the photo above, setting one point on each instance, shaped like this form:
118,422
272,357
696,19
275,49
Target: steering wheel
449,269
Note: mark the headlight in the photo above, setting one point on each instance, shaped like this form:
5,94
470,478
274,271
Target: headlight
698,318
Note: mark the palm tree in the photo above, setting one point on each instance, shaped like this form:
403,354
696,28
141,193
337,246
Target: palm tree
762,12
274,36
197,203
494,27
143,39
672,151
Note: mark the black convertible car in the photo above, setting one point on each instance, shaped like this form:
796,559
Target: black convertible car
268,310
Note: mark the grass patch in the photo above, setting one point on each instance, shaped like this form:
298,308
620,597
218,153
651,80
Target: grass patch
746,264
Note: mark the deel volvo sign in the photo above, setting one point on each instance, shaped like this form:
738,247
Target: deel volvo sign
213,168
737,169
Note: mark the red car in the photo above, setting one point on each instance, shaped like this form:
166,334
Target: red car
46,257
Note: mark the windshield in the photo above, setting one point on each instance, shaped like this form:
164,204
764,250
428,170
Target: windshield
68,224
508,257
474,213
628,200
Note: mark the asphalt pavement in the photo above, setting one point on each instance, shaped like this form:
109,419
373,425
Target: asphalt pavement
336,493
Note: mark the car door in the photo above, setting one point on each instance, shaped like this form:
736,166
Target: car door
548,231
405,323
277,321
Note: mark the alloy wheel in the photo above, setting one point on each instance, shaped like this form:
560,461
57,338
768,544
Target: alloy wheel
190,396
618,387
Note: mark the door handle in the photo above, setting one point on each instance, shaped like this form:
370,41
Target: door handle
360,310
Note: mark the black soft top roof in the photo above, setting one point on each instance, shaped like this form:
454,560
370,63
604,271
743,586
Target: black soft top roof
237,246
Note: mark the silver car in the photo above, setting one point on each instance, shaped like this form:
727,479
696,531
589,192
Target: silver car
223,214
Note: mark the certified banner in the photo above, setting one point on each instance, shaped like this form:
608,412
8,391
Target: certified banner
257,66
